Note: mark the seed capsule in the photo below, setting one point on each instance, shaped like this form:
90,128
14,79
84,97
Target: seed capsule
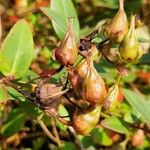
67,52
77,74
130,50
118,27
112,98
84,122
93,87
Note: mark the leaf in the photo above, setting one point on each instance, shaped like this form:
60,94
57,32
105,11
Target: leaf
15,95
106,3
17,52
145,58
66,9
100,137
68,146
115,124
138,103
62,112
14,123
3,93
58,21
31,109
59,12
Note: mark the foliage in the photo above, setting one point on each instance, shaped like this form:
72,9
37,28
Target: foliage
35,94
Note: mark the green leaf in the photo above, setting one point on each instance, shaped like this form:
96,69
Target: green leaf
100,137
58,22
29,75
68,146
138,103
115,124
66,9
31,109
14,123
62,112
3,93
15,95
59,12
145,58
113,4
17,52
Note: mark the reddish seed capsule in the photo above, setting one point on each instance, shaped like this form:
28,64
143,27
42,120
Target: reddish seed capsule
84,122
67,52
93,86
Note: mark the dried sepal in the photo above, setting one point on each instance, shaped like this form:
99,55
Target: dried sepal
50,92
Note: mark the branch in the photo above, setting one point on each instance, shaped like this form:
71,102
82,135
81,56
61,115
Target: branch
47,132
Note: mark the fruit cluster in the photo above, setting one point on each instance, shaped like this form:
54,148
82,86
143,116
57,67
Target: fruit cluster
86,82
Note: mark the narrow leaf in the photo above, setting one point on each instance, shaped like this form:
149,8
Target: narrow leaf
138,103
14,123
3,93
115,124
33,111
66,9
59,23
16,52
59,12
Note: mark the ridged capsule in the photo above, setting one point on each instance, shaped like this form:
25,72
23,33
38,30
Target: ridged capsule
67,51
78,73
129,49
84,122
112,98
93,87
118,27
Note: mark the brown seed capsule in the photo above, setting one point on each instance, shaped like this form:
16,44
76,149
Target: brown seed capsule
118,27
129,49
50,92
77,74
93,87
84,122
67,52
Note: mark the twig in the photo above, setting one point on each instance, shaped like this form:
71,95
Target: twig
47,132
78,143
33,10
53,123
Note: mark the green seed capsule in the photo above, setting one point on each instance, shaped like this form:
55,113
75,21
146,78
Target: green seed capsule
84,122
130,50
112,98
118,27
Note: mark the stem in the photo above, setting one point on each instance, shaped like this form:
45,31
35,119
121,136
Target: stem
121,5
60,119
32,10
55,130
47,132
